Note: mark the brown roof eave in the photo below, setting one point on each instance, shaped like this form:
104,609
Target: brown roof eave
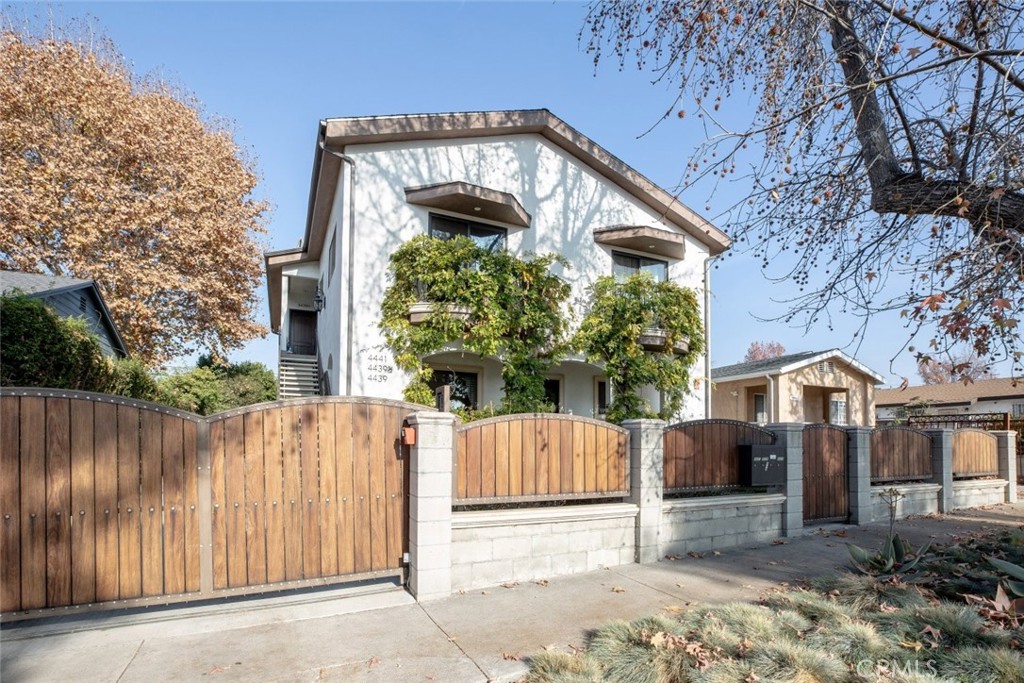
275,264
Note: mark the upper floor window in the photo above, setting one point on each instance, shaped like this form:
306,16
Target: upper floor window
624,265
488,237
1018,409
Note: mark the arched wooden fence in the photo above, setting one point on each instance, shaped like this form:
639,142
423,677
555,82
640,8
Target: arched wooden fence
106,499
704,454
975,454
900,454
529,457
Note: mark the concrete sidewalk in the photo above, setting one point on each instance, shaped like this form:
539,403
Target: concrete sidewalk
358,634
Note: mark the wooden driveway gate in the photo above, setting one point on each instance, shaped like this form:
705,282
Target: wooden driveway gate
108,502
826,480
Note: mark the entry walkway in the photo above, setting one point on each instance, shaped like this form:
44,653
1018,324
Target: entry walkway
383,635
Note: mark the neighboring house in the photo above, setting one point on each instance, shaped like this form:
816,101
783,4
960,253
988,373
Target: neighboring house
1005,395
524,180
813,386
70,298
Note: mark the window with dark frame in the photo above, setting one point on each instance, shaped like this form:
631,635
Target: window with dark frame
553,392
624,265
602,396
333,256
464,392
488,237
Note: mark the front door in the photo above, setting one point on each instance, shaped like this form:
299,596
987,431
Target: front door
302,332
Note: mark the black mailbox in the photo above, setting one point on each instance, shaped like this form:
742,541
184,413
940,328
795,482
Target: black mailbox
762,465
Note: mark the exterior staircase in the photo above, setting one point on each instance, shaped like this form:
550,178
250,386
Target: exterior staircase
297,376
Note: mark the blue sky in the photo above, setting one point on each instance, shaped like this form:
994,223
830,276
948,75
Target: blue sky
277,68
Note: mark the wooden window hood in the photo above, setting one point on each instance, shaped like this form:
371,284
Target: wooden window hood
643,238
471,200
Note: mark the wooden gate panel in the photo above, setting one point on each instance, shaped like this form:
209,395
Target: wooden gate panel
234,501
346,505
704,454
105,468
328,489
58,502
826,495
150,456
255,499
273,472
975,453
190,504
292,499
128,501
218,513
10,504
393,477
173,502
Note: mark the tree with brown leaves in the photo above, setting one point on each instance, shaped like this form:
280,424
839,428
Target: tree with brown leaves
759,350
881,142
109,177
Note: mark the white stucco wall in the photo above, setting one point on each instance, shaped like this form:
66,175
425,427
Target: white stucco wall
566,200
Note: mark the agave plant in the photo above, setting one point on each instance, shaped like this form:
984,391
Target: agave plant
895,557
1016,587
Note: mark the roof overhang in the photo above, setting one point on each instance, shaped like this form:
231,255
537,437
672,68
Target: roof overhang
802,363
471,200
643,238
276,262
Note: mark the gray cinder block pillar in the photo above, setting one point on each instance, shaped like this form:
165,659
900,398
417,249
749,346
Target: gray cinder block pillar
790,438
858,458
1008,462
647,484
430,506
942,465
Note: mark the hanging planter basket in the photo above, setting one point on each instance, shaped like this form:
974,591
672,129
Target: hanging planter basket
422,310
655,339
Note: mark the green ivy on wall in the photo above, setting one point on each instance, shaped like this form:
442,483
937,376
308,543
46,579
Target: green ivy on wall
621,311
494,303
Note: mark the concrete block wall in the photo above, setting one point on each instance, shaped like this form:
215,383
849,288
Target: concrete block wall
497,546
716,522
972,493
919,499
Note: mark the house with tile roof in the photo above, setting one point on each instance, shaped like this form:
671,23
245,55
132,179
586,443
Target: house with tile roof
70,298
808,387
1001,395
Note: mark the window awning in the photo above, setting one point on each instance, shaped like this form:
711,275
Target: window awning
643,238
471,200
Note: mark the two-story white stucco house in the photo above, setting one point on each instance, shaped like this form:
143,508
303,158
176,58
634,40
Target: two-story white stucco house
522,179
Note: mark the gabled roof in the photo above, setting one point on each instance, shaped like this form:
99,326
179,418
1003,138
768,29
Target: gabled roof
787,363
35,283
41,286
953,393
336,134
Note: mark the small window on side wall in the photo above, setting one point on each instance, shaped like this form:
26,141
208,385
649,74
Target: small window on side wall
624,265
602,397
488,237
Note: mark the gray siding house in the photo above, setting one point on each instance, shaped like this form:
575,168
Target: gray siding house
70,298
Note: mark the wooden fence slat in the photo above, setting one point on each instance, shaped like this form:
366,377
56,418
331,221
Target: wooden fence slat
394,500
83,498
273,487
255,499
378,507
489,458
531,472
107,534
346,505
601,471
190,504
361,493
310,503
10,504
589,459
33,502
474,464
58,502
542,452
218,513
150,506
461,466
516,458
502,463
234,494
572,442
129,502
292,497
328,441
173,505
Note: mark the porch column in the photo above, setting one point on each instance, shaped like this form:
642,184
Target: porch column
858,456
942,465
790,438
647,484
430,506
1008,462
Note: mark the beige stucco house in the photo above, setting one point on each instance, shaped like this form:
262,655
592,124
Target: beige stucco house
813,386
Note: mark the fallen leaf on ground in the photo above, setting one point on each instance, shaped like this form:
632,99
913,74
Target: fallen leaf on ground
673,557
618,589
542,582
510,584
840,533
779,541
673,608
510,657
485,592
694,554
716,552
374,661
